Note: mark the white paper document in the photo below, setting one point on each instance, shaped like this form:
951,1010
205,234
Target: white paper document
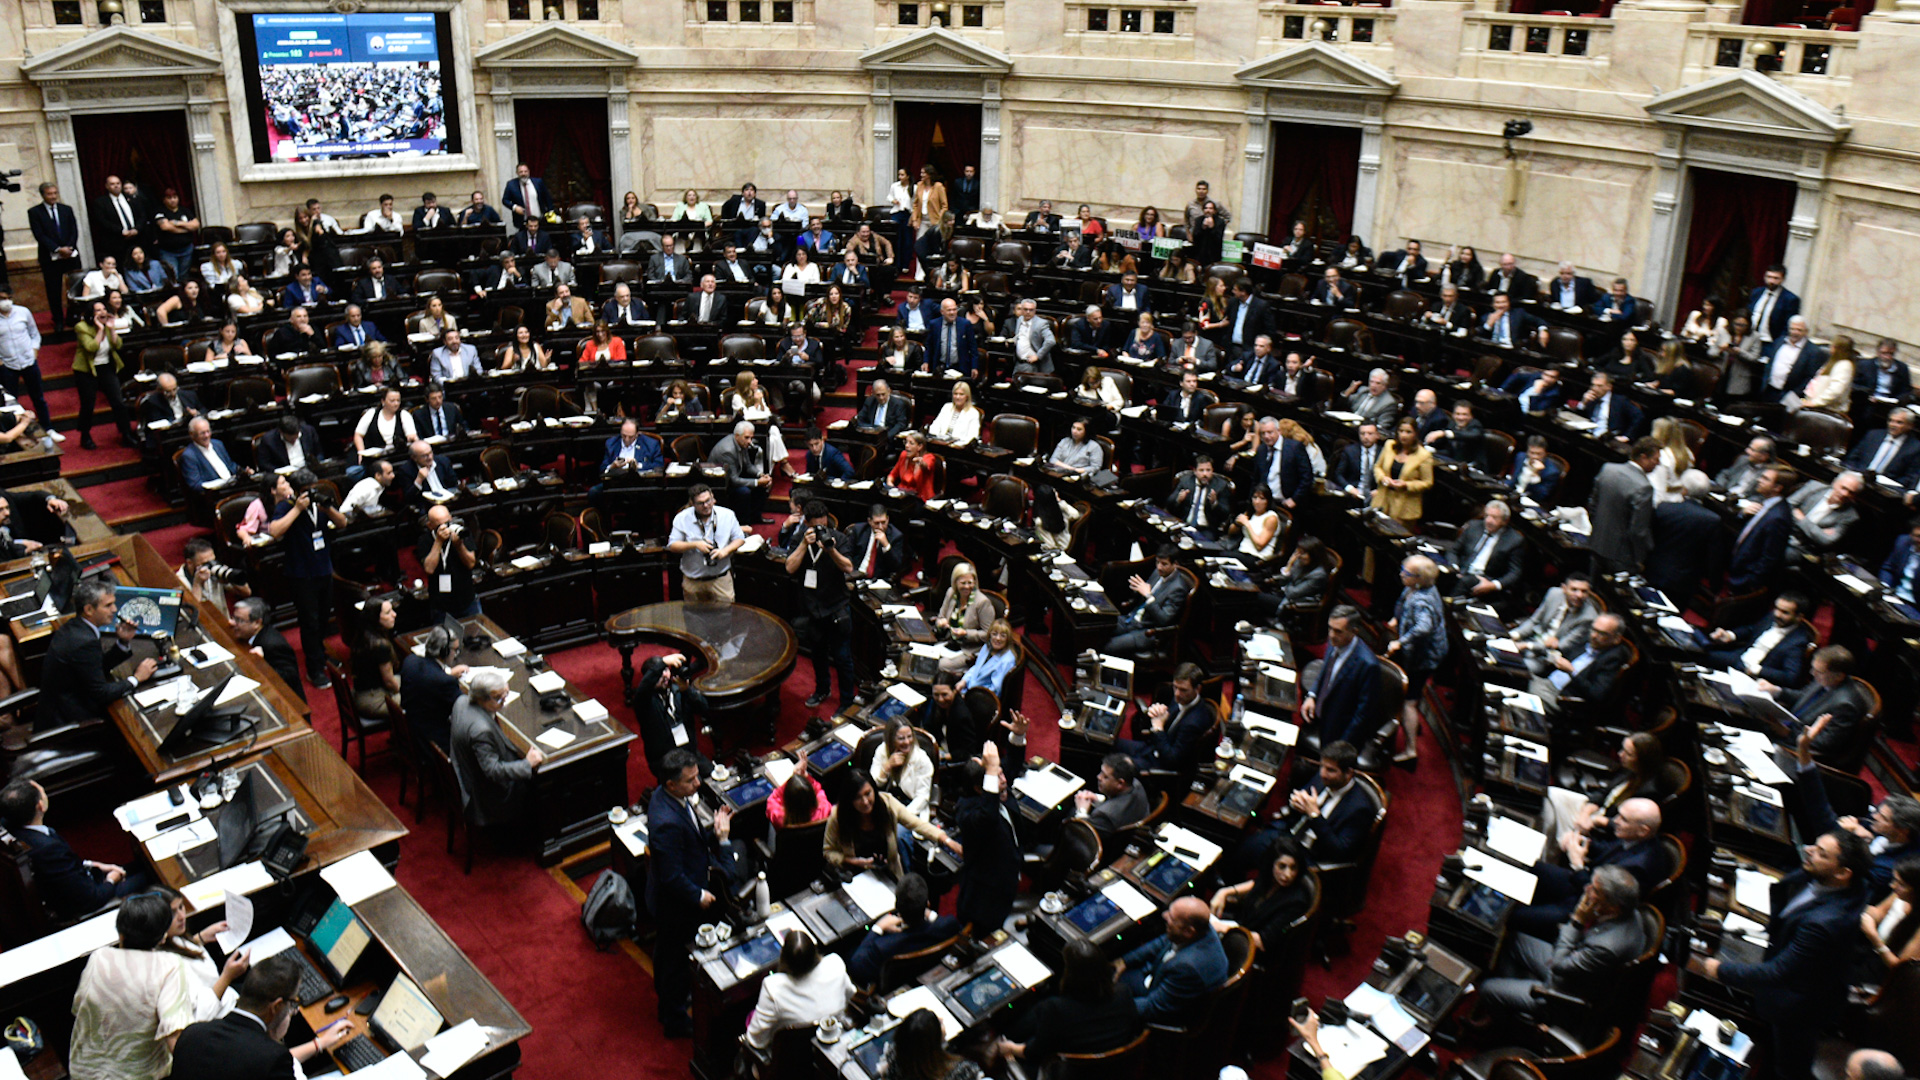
779,771
1131,901
357,877
508,647
206,654
1514,840
1279,731
239,922
1252,778
1351,1047
454,1047
849,733
1264,647
555,738
237,687
393,1067
174,841
1387,1016
1500,876
589,710
272,943
243,879
1048,787
160,692
1186,845
1022,966
906,1004
546,682
872,893
1753,890
780,922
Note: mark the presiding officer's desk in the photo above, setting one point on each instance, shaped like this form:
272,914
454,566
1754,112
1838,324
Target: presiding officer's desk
584,775
746,652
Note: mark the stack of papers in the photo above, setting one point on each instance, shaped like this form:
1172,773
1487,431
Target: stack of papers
1753,890
1263,647
849,733
779,770
906,695
1351,1047
357,877
1252,778
507,647
556,738
454,1047
1049,787
871,893
1131,901
1279,731
1188,846
1518,842
1022,966
909,1002
174,841
1387,1016
546,682
1500,876
590,710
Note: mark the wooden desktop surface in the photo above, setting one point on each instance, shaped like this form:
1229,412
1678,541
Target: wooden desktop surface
748,652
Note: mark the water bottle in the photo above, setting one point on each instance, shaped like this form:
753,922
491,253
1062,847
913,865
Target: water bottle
762,902
1239,709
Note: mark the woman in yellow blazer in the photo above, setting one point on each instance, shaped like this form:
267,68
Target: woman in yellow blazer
929,208
1403,476
96,369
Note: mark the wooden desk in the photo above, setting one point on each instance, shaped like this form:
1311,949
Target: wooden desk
748,652
577,784
342,815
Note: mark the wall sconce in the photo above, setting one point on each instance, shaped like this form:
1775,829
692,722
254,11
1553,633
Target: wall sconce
1758,48
554,14
1320,27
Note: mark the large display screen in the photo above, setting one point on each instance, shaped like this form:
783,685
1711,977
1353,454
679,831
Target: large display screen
334,87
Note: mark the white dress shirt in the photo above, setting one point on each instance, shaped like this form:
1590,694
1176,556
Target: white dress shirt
1783,361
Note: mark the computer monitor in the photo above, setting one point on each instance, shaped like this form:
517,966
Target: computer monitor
1116,676
983,993
206,722
339,937
1165,873
153,612
752,954
240,829
872,1053
405,1018
1092,913
829,754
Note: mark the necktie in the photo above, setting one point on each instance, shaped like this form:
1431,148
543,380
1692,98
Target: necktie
126,215
439,423
1257,368
1193,512
1481,554
1761,322
359,336
1500,330
1885,454
1600,412
1327,670
533,203
706,305
951,333
1366,474
873,555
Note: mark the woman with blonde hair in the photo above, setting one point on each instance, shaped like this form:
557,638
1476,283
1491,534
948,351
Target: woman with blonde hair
1832,387
960,419
748,401
690,208
965,616
1097,388
1672,371
1214,298
1675,459
1291,429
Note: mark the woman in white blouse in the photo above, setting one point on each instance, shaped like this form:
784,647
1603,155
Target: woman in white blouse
804,988
691,208
959,419
1258,526
1098,388
1704,322
900,205
801,270
97,283
382,424
902,768
1832,388
243,298
134,999
210,986
219,267
748,401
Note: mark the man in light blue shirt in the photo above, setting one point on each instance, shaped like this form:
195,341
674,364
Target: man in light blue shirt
452,360
20,356
705,535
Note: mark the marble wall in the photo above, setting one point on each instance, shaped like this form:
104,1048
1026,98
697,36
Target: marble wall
811,152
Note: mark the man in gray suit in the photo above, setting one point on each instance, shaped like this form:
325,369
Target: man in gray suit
1621,510
1593,948
551,271
1822,514
493,777
1194,351
1374,401
1740,478
748,477
1561,622
1119,800
667,266
1032,340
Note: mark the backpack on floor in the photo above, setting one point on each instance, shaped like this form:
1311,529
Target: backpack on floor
609,911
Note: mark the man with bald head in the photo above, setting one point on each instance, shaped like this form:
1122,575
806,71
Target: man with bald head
448,562
1172,976
1631,843
1874,1065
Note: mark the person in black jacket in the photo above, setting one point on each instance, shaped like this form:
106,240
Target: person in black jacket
1162,602
429,688
74,678
670,711
683,856
68,884
276,449
1632,843
245,1043
1087,1013
1268,905
883,411
951,720
877,549
250,629
1589,674
911,926
1176,738
990,874
1329,819
1490,557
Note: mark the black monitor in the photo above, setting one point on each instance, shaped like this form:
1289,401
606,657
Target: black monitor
206,722
240,829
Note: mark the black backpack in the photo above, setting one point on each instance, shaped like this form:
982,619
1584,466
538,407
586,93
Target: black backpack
609,911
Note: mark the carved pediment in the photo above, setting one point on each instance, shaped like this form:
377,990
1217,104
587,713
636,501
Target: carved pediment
1748,103
1317,66
120,52
936,50
556,44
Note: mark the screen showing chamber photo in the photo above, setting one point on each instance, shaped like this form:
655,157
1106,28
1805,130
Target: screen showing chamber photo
331,87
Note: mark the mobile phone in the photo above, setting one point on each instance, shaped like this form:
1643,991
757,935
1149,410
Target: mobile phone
1301,1009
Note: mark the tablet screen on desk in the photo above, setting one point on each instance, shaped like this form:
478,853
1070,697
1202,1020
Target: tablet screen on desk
833,753
983,993
873,1052
1429,993
752,791
752,954
1483,905
405,1017
1168,874
1090,913
1241,799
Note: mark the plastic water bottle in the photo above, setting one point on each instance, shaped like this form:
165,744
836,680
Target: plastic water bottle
1239,708
762,902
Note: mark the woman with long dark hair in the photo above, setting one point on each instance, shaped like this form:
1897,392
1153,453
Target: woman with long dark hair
1086,1013
375,659
863,831
919,1052
1269,904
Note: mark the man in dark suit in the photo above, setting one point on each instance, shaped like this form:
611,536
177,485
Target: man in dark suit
1282,465
1330,817
990,876
1799,986
168,403
633,445
430,215
1536,391
1043,219
913,925
1187,405
477,212
1335,291
1900,573
1688,543
669,266
883,411
245,1044
1771,305
1617,306
250,629
56,235
1832,708
623,309
915,313
1118,800
1892,833
1352,470
530,243
1893,452
1790,362
1130,287
584,239
1173,976
116,220
798,348
952,343
1570,289
1886,377
1451,313
744,211
1161,602
964,195
1490,557
683,856
1600,937
1248,317
424,476
877,549
377,286
1428,416
1505,324
1258,366
1408,265
68,884
526,196
429,687
1591,673
1176,735
1760,547
824,460
1201,499
1774,648
293,437
1620,509
494,777
356,331
706,306
1509,280
1092,334
670,710
74,680
1339,701
1633,845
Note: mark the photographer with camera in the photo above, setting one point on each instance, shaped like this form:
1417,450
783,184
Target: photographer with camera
303,512
449,563
820,563
705,535
210,581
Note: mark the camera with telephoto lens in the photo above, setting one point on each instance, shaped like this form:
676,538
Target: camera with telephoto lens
321,497
7,182
228,575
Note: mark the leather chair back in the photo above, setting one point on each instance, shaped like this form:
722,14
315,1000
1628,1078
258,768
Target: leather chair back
313,379
615,271
437,281
1819,429
1404,304
742,347
255,232
655,347
1005,496
1015,432
970,250
1013,256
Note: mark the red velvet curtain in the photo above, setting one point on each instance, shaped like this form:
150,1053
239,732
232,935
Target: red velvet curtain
1738,229
1316,169
944,136
564,142
148,148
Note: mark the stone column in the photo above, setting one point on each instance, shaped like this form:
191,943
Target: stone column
1802,227
207,181
506,141
1255,191
619,141
1667,242
990,142
883,152
1366,186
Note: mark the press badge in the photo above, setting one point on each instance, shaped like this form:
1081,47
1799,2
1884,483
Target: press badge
446,583
319,541
811,581
680,735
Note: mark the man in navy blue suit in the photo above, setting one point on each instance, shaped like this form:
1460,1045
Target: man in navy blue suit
1799,986
824,460
1247,319
1536,391
1352,471
56,235
1612,412
915,313
683,856
1176,739
1535,474
1282,465
910,927
1618,305
1771,305
634,446
1633,845
1505,324
1339,702
356,330
1173,976
1331,817
525,193
1774,648
1688,541
952,344
68,884
205,460
1892,833
1570,289
1893,452
1761,545
1901,572
1130,286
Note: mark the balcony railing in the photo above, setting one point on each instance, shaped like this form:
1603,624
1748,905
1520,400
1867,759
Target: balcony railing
1551,36
1357,25
1718,47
